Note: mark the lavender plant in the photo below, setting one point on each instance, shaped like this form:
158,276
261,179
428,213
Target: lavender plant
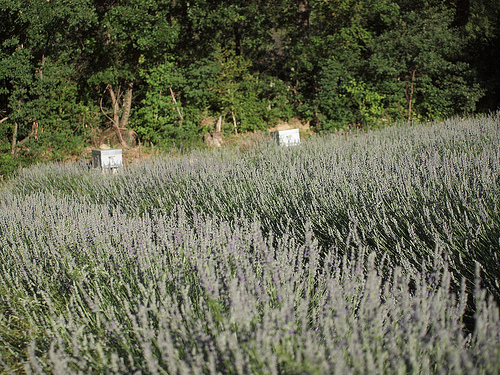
376,253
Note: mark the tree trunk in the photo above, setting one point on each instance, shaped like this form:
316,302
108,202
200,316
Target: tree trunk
237,39
234,123
218,126
15,143
217,137
462,13
176,106
41,67
127,106
116,120
14,140
409,95
303,12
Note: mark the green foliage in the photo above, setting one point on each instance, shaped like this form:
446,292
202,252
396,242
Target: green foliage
347,104
224,85
236,25
482,33
158,119
246,99
367,102
416,63
40,95
482,23
338,63
8,163
336,111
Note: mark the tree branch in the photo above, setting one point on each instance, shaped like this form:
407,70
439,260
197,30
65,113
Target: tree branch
175,103
102,109
116,112
411,95
15,144
14,140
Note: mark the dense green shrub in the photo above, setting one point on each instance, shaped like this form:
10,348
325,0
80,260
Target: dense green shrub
78,69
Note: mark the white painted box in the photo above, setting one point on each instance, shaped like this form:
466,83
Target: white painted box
289,137
107,158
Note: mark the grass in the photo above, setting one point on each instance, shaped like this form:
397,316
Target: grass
372,253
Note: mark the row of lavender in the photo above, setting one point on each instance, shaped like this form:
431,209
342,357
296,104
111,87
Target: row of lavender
359,254
404,192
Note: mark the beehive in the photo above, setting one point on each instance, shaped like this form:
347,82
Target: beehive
107,159
290,137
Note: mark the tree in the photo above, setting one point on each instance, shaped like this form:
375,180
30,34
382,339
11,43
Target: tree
482,32
37,73
327,64
396,59
237,25
161,66
159,118
222,85
128,35
417,64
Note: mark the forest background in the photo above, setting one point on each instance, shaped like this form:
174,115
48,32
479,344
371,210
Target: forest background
161,72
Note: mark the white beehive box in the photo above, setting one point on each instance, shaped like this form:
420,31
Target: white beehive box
106,159
289,137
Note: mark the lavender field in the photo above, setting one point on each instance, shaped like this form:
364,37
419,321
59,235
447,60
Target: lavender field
365,253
